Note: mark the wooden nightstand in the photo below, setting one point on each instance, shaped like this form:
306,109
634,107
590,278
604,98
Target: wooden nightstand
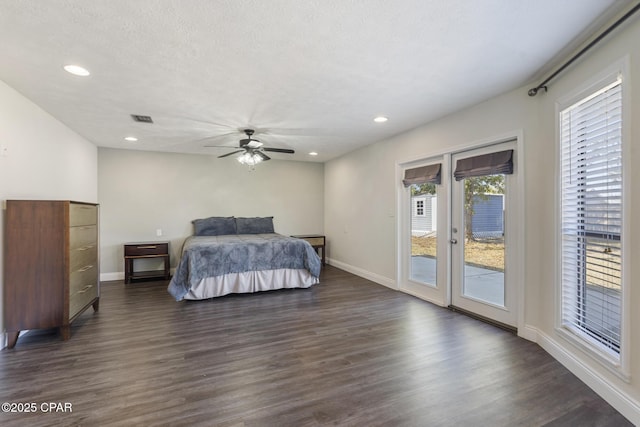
317,241
145,250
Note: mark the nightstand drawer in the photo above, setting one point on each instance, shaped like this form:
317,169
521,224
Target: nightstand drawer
142,249
315,241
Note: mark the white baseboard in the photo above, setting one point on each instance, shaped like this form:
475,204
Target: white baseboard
621,401
529,333
107,277
381,280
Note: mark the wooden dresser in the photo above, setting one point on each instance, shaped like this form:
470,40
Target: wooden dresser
51,270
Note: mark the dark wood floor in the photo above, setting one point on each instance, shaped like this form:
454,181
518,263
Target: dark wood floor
345,352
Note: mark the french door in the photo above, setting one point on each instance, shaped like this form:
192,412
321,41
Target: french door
482,238
424,223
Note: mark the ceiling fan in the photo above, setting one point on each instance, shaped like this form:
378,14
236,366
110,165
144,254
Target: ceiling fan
252,150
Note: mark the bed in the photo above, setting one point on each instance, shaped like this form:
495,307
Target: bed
241,255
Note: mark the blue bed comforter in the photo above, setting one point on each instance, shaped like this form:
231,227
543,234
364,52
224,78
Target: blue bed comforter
210,256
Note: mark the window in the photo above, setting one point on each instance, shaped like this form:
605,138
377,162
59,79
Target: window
419,207
591,218
422,183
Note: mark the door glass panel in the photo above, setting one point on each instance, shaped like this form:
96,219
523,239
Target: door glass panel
484,249
424,202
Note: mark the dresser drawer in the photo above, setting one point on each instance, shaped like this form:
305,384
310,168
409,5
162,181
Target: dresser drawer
142,249
80,214
80,278
80,299
83,256
84,235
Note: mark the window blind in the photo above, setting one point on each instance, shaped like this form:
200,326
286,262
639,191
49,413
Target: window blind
591,209
500,162
422,175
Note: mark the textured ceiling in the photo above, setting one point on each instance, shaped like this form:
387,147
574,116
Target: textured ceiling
306,74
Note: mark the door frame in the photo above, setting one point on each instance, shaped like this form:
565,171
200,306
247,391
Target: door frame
518,256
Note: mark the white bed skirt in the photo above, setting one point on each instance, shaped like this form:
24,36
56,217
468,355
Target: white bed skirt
251,281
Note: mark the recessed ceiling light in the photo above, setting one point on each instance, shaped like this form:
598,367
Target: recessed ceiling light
77,70
380,119
131,138
313,153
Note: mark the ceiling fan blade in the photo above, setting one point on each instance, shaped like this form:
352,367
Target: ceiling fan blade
279,150
261,154
231,154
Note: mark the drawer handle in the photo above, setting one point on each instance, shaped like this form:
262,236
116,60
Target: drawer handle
83,269
85,289
147,247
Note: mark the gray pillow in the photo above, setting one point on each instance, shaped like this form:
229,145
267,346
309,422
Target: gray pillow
258,225
214,226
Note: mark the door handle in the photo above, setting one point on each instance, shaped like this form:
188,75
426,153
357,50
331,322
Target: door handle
453,241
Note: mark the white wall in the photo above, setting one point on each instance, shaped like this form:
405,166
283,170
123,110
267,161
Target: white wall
44,159
141,192
363,183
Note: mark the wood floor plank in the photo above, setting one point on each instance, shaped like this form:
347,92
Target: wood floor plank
344,352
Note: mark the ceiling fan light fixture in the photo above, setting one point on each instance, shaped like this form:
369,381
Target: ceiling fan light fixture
249,159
